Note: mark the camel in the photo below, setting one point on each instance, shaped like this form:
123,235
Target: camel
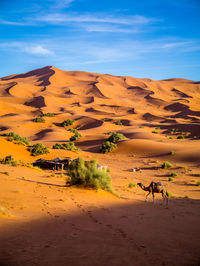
155,188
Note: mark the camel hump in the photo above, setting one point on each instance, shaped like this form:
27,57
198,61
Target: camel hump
155,184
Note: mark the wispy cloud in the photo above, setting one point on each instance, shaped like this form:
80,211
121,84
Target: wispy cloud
35,49
60,18
62,3
38,50
109,28
13,23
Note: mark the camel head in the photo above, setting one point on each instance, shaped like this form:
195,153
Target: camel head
140,185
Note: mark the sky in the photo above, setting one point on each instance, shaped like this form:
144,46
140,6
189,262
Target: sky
156,39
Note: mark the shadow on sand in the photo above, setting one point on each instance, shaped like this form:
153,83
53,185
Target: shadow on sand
125,234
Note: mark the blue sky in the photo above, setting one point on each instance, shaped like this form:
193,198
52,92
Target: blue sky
155,39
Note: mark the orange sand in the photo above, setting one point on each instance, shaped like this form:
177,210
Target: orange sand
42,222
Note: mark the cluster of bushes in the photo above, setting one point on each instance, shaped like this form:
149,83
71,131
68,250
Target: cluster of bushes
110,144
87,174
118,122
39,119
48,114
9,160
76,135
13,137
67,122
66,146
107,147
38,149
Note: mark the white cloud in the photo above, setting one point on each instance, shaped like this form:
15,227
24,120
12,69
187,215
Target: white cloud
37,50
175,44
13,23
59,18
109,28
62,3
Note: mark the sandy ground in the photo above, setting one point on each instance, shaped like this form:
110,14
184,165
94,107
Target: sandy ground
43,222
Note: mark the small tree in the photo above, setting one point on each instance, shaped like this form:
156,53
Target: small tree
39,120
87,174
115,137
107,147
118,123
38,149
67,122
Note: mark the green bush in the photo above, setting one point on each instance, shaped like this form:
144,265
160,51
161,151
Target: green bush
170,179
157,128
107,147
73,130
39,120
155,132
131,185
166,165
49,114
172,152
66,146
115,137
86,174
180,137
13,137
118,122
170,195
67,122
38,149
76,135
198,183
9,160
174,174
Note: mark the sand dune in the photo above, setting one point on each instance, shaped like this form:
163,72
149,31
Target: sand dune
160,121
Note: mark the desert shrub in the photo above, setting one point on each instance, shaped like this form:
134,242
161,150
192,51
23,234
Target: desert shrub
170,138
174,174
157,128
131,185
38,149
9,160
172,152
198,183
87,174
76,135
115,137
13,137
49,114
174,130
39,120
155,132
170,179
141,127
66,146
180,137
67,122
107,147
166,165
118,122
73,130
170,195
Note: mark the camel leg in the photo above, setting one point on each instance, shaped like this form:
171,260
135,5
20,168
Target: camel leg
165,198
153,196
148,195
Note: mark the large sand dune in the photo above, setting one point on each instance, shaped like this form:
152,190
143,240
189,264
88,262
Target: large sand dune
46,223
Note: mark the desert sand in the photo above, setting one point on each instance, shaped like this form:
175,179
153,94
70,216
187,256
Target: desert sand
43,222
